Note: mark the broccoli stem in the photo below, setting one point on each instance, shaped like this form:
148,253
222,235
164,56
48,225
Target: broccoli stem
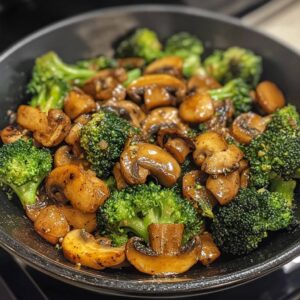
137,226
26,192
132,75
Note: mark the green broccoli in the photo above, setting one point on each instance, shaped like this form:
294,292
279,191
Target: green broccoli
23,167
133,209
237,91
277,150
240,226
103,139
51,80
234,63
132,75
142,43
189,48
97,63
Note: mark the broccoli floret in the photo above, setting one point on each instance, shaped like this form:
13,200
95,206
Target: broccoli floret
103,139
277,150
132,75
142,43
132,210
237,91
23,167
52,79
234,63
97,63
189,48
240,226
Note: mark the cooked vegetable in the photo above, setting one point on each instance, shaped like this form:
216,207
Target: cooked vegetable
23,167
238,92
189,48
277,150
81,248
103,139
51,80
142,43
132,210
240,226
234,63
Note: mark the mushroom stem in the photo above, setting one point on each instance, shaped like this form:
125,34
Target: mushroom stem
166,238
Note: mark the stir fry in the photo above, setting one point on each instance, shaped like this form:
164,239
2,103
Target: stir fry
160,157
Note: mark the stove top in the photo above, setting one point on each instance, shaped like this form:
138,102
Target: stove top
17,281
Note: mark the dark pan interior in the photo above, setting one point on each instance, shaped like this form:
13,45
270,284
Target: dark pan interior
92,34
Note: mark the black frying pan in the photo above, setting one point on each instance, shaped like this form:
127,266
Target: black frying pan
93,33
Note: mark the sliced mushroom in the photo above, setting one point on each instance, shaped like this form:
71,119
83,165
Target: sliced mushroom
224,187
206,144
161,118
59,125
33,211
223,162
148,261
78,103
120,181
193,189
165,238
175,142
243,164
106,85
142,88
32,118
74,134
79,220
11,134
196,108
51,224
83,189
209,250
48,129
127,110
269,97
81,248
139,160
202,83
131,62
171,65
64,156
248,126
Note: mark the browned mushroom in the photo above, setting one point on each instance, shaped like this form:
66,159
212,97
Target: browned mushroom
206,144
131,62
106,84
248,126
245,178
269,97
79,220
223,162
78,103
171,65
64,156
161,118
81,248
156,90
193,189
196,108
51,224
202,82
32,211
11,134
74,134
83,189
120,181
128,110
175,142
139,160
48,129
209,250
32,118
59,125
224,187
169,258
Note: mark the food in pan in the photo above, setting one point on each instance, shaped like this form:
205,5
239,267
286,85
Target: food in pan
162,157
